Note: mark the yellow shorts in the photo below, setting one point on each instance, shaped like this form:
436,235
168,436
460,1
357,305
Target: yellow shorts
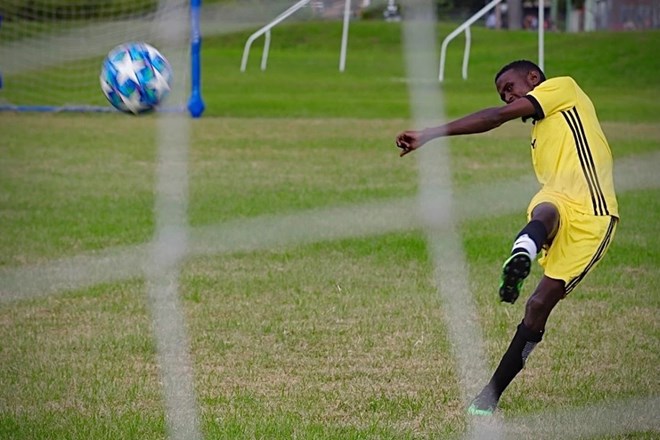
580,242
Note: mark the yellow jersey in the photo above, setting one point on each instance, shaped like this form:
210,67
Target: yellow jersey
571,156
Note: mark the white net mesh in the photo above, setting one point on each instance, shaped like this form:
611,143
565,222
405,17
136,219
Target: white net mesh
51,50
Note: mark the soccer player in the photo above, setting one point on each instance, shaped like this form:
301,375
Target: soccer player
571,220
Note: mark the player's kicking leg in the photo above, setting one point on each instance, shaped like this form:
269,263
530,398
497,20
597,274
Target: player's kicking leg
565,266
529,333
516,268
539,231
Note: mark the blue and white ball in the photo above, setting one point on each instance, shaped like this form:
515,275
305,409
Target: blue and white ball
135,77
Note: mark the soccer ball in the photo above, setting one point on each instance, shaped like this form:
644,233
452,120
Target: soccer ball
135,77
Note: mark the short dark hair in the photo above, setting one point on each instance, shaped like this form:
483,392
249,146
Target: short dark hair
522,66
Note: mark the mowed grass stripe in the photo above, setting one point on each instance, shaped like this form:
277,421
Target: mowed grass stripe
95,194
286,230
345,334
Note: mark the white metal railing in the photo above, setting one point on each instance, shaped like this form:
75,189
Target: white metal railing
280,18
541,35
344,36
468,39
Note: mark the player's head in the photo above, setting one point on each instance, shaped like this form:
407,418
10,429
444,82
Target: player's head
516,79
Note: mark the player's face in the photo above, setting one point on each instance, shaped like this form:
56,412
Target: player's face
512,85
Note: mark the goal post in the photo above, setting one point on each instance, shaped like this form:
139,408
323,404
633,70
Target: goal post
51,51
195,103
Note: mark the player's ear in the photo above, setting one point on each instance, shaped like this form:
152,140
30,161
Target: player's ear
534,77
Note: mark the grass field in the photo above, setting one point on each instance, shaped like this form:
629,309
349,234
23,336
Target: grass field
337,338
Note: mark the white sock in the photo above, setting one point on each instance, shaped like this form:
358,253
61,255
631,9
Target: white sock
526,243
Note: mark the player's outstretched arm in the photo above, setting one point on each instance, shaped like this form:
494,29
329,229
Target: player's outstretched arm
478,122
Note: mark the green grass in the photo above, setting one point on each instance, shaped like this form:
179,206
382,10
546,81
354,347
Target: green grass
372,85
303,80
337,339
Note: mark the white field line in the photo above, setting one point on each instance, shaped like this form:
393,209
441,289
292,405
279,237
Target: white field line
268,232
169,245
438,209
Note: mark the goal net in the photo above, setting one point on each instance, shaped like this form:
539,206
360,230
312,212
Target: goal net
51,51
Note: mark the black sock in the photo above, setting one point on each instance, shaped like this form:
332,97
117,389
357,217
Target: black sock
536,231
513,360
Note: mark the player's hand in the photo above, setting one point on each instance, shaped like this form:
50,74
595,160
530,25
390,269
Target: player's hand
409,141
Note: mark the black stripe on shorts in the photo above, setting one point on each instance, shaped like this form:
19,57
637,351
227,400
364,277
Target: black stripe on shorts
596,258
